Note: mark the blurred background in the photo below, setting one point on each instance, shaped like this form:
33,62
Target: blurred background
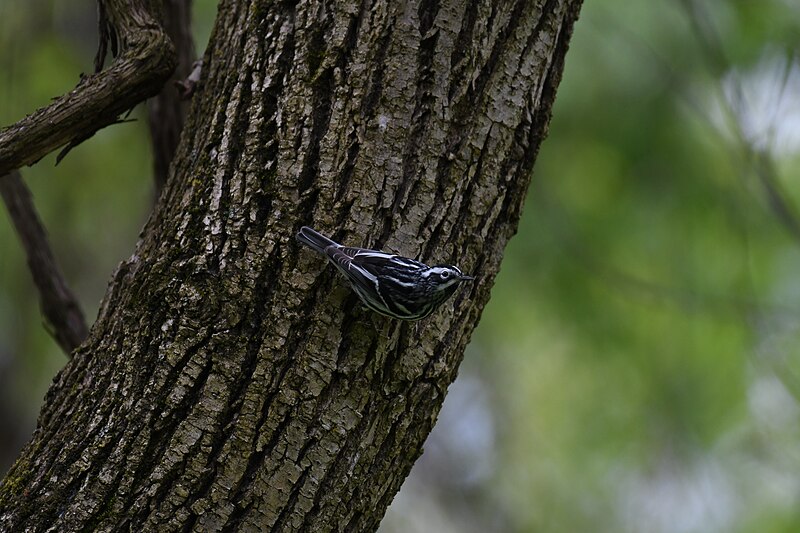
638,366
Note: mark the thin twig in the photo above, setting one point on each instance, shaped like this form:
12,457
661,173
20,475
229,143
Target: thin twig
689,299
62,313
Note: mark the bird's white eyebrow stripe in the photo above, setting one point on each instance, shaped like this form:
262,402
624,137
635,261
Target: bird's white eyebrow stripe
436,270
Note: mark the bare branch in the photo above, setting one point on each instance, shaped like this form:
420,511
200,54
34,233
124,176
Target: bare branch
146,60
166,112
62,313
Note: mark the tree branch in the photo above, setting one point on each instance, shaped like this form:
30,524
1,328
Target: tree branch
147,59
62,313
167,111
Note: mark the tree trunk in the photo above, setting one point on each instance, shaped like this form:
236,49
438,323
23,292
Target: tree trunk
232,380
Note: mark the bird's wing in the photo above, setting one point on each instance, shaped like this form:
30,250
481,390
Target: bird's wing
352,251
379,263
344,262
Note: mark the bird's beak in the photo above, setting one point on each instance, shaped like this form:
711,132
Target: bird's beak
466,278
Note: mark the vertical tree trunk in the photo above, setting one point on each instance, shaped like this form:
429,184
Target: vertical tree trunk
232,381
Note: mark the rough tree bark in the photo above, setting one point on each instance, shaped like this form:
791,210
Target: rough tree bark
232,381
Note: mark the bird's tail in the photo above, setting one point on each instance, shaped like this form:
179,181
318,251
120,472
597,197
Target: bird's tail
314,239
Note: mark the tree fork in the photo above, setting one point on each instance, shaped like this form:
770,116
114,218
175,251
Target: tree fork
232,382
145,59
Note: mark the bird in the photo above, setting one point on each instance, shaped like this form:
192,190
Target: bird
389,284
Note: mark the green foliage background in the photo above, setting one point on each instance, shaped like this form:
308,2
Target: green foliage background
637,368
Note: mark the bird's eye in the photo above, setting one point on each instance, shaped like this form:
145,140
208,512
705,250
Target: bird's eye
445,274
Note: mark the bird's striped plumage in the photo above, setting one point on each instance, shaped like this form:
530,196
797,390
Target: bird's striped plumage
389,284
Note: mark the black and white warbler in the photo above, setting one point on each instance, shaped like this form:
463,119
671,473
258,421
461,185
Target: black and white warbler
389,284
